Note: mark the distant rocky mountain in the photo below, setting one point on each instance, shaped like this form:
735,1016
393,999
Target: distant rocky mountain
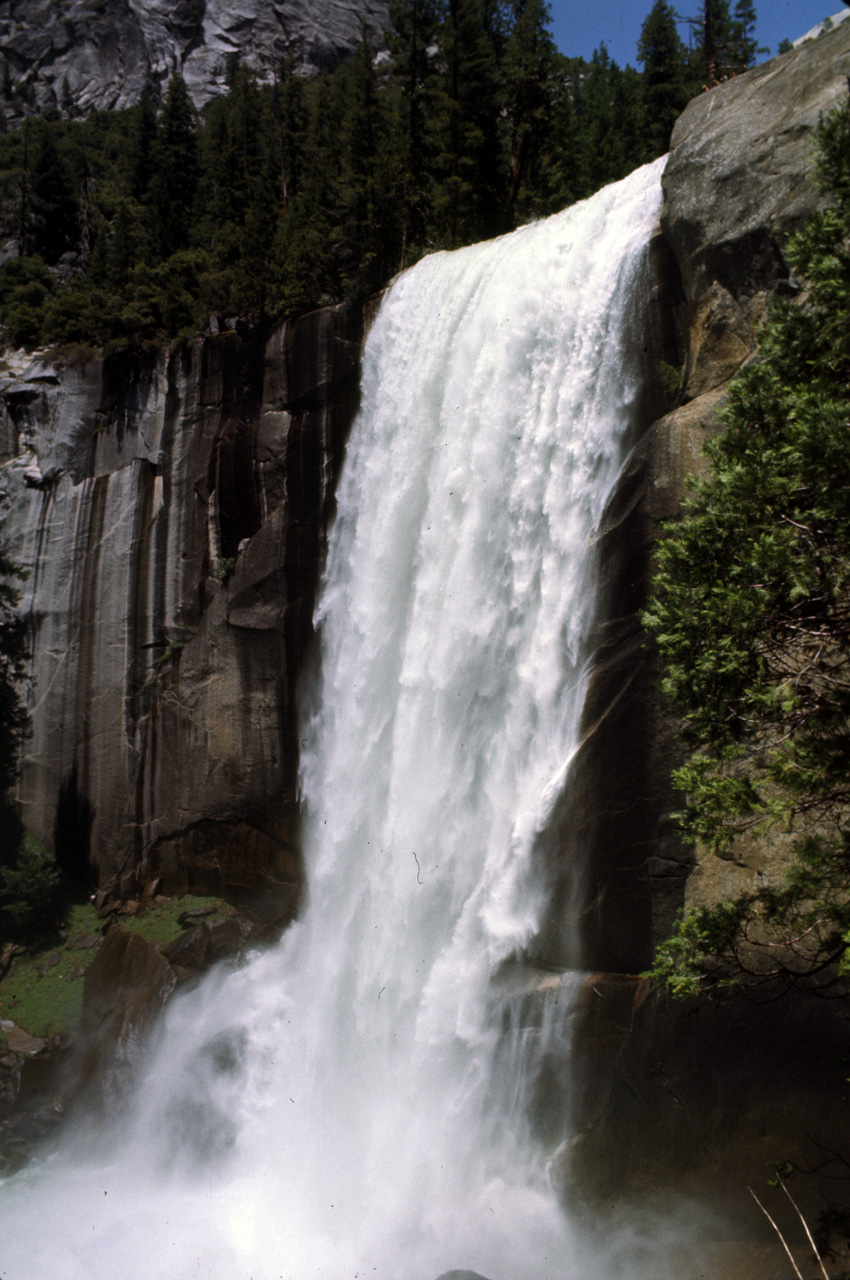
79,54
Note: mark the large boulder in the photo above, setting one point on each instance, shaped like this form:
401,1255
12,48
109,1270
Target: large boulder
737,183
126,986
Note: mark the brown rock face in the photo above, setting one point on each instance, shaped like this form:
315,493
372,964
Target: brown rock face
172,516
126,985
700,1096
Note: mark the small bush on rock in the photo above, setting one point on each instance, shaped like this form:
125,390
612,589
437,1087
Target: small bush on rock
33,903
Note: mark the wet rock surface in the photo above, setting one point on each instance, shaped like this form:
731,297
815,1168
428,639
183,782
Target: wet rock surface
701,1097
34,1075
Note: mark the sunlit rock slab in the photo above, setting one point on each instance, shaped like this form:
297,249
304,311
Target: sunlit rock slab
738,182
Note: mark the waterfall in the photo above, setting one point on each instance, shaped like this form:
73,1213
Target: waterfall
355,1102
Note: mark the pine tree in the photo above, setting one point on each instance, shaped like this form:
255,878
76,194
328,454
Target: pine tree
141,146
470,191
412,41
175,179
53,202
307,264
743,47
610,117
725,42
662,54
291,118
528,70
370,181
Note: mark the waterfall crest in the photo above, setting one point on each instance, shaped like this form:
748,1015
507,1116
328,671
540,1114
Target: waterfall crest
353,1103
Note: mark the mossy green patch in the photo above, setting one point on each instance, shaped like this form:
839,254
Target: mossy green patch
159,923
42,996
43,990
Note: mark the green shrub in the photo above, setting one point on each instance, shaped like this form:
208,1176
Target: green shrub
26,288
33,903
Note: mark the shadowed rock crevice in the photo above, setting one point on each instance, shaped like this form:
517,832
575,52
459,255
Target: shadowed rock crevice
605,829
72,832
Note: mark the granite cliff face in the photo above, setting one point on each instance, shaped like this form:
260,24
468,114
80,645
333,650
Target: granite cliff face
172,514
79,54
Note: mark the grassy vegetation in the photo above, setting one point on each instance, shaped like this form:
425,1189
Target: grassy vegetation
43,989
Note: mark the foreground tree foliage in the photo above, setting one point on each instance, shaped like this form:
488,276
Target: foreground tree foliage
751,615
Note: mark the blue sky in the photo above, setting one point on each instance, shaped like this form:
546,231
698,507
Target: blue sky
579,27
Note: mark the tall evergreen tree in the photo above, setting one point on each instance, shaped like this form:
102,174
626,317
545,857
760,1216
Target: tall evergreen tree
290,113
53,202
308,236
528,71
141,145
370,248
743,46
412,41
470,195
176,173
662,53
725,43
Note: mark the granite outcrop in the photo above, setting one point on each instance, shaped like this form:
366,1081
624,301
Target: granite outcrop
75,55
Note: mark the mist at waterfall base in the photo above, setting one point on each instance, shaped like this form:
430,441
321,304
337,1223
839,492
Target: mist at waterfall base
355,1103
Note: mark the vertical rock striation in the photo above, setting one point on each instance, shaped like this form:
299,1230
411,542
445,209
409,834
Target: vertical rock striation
171,514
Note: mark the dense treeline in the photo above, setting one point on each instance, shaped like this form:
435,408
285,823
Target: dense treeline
131,227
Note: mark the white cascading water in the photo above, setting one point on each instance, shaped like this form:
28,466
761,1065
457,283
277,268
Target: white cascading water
350,1104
